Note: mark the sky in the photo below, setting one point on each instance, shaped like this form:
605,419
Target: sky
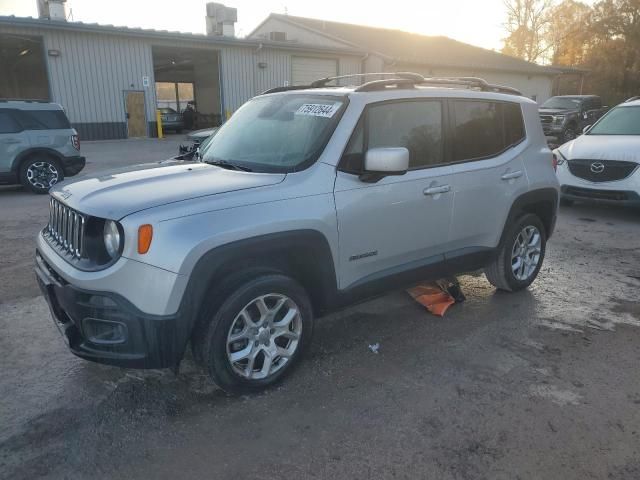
478,22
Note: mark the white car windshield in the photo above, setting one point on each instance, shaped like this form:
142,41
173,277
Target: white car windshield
276,133
619,121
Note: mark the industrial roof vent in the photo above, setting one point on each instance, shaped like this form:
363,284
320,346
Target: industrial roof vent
52,9
278,36
221,19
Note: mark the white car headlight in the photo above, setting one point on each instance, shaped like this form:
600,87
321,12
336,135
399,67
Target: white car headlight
112,238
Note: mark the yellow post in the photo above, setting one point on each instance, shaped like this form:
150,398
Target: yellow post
159,124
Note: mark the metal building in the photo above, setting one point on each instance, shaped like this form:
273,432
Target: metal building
109,78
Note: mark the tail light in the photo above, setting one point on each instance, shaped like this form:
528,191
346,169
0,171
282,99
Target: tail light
555,162
75,141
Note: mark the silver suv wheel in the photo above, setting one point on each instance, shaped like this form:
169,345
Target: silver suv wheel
42,175
264,336
526,251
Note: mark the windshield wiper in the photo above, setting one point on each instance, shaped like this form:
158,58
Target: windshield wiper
228,165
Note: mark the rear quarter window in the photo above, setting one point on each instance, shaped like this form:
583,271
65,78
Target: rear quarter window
44,120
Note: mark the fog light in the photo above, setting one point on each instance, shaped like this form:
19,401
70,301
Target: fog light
104,332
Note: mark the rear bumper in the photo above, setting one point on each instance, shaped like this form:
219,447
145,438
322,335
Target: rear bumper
73,165
106,328
606,196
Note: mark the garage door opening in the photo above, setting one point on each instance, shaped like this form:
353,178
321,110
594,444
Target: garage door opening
187,78
23,74
305,70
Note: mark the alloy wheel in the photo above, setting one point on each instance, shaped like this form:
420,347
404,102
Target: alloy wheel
264,336
525,255
42,175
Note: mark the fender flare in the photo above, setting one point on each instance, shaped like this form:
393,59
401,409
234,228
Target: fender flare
543,202
305,255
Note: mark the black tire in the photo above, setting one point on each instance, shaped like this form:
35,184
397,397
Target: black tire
565,202
500,273
40,163
212,344
569,134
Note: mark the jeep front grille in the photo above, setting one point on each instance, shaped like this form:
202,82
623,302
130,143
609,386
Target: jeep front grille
65,230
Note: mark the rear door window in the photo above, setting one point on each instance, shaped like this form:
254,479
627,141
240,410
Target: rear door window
8,123
44,120
484,129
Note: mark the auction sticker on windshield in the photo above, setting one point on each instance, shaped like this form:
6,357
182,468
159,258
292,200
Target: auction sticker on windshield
318,109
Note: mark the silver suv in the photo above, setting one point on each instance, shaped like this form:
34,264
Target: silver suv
305,201
38,147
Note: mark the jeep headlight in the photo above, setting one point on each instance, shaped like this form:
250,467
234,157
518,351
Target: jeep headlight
112,238
558,118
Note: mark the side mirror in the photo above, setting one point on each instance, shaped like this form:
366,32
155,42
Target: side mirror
387,161
586,129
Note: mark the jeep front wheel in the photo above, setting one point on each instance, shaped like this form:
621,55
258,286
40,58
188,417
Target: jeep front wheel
258,334
521,255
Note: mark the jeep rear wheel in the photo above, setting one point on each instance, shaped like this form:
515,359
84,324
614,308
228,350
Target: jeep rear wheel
39,173
521,255
258,334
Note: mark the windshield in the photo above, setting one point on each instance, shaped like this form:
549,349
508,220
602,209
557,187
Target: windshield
619,121
276,133
562,103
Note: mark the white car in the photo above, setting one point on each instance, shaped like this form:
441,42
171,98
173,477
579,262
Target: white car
603,164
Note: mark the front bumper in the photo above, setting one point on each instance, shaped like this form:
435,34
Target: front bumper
106,328
605,196
73,165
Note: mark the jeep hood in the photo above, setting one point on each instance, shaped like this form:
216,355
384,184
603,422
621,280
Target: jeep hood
117,193
603,147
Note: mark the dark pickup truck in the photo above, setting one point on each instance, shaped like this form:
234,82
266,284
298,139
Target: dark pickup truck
565,116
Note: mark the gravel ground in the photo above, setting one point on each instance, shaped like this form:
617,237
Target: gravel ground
541,384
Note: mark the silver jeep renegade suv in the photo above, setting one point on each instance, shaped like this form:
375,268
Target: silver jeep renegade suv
306,200
38,147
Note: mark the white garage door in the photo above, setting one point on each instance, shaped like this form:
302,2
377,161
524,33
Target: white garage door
305,70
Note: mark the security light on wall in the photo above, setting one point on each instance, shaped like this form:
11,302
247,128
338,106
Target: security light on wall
262,64
53,52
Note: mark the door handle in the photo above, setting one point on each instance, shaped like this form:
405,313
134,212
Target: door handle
437,190
512,175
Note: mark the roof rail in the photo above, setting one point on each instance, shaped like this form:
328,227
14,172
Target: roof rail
322,82
404,80
469,82
632,99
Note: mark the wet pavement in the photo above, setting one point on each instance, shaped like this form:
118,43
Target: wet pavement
535,385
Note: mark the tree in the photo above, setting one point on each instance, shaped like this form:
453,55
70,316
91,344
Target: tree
569,35
527,27
615,56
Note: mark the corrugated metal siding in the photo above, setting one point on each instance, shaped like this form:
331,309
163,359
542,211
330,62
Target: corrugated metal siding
237,76
277,71
92,72
349,66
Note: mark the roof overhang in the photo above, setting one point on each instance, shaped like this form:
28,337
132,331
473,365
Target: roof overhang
204,40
